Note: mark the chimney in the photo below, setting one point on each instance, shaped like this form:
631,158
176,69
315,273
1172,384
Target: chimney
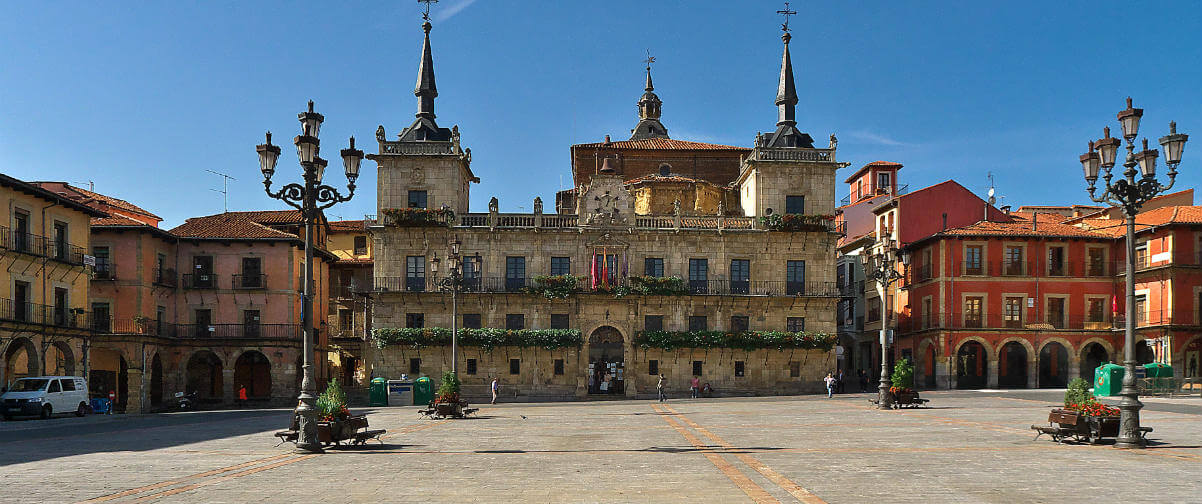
607,140
1034,221
1006,208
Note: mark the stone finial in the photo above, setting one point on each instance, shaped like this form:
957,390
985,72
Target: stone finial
493,204
380,133
538,205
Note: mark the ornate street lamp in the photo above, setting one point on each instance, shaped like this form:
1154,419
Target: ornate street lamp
310,198
453,282
1130,193
882,268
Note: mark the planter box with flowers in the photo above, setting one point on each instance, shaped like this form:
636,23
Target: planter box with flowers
447,402
554,286
417,217
1082,418
798,222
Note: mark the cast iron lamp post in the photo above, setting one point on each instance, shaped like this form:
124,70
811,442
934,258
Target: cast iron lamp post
882,268
452,282
1130,193
310,198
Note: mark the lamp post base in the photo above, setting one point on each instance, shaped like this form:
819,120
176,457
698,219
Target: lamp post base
306,448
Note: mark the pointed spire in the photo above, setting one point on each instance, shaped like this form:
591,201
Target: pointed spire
649,111
649,87
786,91
426,89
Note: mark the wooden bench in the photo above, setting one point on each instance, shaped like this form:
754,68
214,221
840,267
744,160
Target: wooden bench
360,437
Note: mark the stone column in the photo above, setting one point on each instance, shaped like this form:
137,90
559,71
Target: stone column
136,393
227,385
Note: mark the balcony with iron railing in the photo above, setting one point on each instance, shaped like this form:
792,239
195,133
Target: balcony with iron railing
200,280
993,321
250,282
641,222
865,194
695,287
15,310
41,246
104,269
1161,260
165,277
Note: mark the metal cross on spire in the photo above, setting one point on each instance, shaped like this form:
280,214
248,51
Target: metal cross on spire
426,14
650,59
786,13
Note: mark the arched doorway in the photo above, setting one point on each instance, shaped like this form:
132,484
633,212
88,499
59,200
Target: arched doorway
204,376
1012,366
928,367
1092,356
156,381
253,371
605,361
60,360
972,366
1053,366
20,360
109,373
1144,353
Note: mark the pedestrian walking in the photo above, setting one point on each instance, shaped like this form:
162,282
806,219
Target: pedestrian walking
863,380
839,382
660,386
694,386
242,397
496,389
830,385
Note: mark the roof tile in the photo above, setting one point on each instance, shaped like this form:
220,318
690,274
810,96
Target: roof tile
661,144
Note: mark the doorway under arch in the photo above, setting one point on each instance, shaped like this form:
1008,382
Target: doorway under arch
60,360
1144,353
1053,366
205,376
109,373
1012,366
253,371
972,366
20,360
928,367
606,359
156,381
1092,356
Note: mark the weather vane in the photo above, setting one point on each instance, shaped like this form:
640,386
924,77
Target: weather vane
786,13
426,14
650,59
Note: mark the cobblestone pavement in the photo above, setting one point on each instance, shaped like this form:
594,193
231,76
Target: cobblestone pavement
967,447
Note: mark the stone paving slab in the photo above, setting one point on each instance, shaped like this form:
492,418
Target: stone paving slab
968,447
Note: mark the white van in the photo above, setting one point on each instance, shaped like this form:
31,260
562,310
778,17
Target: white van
45,396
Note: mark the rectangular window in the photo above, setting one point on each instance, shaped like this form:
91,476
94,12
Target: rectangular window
203,318
653,266
61,315
161,320
471,366
795,324
1097,310
926,313
1141,255
795,278
795,204
740,368
515,321
101,317
515,273
739,323
104,263
346,319
515,366
882,182
558,366
972,260
697,323
360,245
1141,304
417,199
471,273
561,266
972,311
160,269
415,320
794,369
415,366
1056,312
1012,262
740,276
415,273
1097,264
559,321
1012,311
653,322
250,324
698,276
252,273
653,367
202,272
1056,259
22,309
21,238
696,368
471,321
61,250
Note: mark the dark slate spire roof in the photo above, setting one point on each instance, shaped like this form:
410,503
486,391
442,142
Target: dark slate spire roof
649,112
424,128
787,134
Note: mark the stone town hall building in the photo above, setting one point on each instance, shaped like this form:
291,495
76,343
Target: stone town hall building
649,206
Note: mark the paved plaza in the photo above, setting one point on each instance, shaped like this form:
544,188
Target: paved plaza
968,447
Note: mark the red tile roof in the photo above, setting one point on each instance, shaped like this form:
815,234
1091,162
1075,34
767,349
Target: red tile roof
1023,229
666,178
346,225
116,220
875,164
660,144
272,216
87,197
230,226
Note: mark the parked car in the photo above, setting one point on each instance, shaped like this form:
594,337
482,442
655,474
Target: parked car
45,396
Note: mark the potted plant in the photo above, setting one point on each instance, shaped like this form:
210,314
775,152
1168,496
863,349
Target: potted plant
141,321
1103,420
333,414
902,382
446,400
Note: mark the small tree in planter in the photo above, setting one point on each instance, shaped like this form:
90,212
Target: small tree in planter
903,377
331,404
448,391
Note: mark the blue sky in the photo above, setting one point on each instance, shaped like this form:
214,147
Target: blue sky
142,99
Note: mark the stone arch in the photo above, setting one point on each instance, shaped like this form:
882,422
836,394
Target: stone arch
20,360
109,372
1143,352
1053,363
606,347
156,380
1014,363
928,355
973,355
253,371
204,375
1105,344
60,360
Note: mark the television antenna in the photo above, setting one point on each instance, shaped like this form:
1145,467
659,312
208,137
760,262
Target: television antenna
225,188
992,191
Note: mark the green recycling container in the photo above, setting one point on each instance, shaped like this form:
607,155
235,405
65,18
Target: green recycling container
1158,370
423,391
1107,380
378,392
1160,378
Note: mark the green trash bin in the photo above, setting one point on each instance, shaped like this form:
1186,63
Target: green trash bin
378,392
1107,380
423,391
